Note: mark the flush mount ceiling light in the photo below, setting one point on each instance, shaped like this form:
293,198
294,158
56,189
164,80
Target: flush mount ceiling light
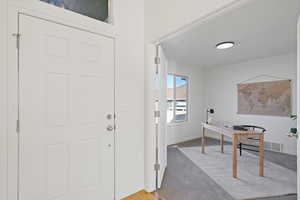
225,45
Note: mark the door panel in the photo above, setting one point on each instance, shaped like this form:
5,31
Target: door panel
66,92
163,114
161,105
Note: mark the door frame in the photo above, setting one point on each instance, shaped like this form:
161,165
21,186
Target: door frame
149,144
150,94
152,122
55,15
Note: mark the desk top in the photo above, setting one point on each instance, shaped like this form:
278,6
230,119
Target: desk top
226,129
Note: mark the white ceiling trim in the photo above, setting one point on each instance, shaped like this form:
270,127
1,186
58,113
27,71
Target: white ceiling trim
216,13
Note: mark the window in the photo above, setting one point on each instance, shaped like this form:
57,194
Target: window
97,9
177,97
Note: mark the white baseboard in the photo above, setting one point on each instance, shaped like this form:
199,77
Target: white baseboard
161,178
184,140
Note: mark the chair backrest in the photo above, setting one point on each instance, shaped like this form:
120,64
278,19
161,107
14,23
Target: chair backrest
254,128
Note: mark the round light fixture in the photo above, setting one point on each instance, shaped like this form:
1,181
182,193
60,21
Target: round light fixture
225,45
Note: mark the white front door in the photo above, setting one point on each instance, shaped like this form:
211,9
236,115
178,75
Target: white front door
66,149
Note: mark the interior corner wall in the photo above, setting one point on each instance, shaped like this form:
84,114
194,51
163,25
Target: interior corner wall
130,96
150,53
221,94
3,133
191,129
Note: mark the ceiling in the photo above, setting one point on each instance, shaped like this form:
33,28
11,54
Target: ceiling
260,28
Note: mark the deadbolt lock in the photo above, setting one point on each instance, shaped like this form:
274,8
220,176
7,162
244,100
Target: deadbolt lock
109,116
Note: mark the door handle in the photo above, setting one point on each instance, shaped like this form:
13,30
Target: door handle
109,128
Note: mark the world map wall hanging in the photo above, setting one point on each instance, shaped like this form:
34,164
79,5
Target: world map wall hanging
271,98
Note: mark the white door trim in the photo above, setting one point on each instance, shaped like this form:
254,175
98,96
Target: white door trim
152,94
52,13
202,19
11,85
149,153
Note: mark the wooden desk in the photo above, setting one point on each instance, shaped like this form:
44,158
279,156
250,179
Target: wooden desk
237,137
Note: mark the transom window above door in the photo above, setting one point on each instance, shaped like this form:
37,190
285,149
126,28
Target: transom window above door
177,97
97,9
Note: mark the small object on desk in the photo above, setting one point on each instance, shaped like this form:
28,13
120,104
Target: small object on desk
209,111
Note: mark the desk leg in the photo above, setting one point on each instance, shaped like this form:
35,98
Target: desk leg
234,155
261,155
203,140
222,143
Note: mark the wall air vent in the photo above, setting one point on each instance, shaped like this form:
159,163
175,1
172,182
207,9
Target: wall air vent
272,146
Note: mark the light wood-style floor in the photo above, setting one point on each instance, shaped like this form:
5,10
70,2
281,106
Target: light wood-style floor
142,195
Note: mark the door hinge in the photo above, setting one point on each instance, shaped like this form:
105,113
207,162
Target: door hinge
157,167
157,114
18,126
17,35
157,60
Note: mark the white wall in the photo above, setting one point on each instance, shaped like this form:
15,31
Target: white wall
130,96
183,131
129,31
3,138
221,94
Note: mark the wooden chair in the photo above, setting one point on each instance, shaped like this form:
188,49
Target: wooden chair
244,146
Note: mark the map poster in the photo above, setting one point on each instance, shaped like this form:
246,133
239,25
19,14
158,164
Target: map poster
271,98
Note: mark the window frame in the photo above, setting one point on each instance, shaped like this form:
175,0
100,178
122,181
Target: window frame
174,121
110,15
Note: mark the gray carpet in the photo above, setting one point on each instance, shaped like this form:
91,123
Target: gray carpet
185,181
277,181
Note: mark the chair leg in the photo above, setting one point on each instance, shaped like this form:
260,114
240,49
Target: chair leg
241,149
